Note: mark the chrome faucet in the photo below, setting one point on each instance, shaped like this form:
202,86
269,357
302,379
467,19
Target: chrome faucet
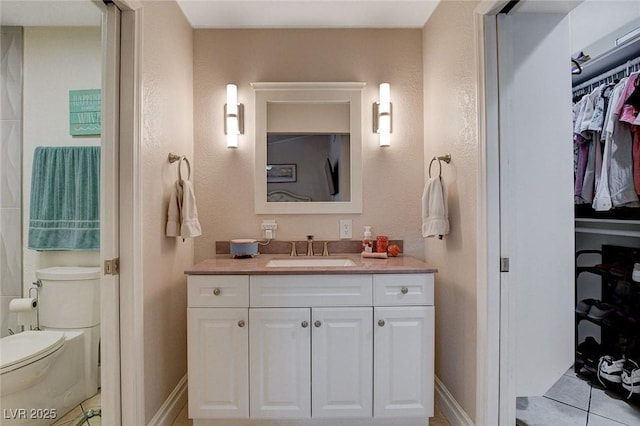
325,248
294,252
309,245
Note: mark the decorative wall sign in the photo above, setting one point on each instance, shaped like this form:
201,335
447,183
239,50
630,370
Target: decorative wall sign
84,112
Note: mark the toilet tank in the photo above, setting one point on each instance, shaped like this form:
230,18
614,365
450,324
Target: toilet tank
69,297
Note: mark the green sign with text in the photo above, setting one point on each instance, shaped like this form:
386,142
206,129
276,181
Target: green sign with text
84,112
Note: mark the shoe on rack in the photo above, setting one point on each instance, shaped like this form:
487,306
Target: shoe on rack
610,369
583,307
635,275
589,352
599,311
631,377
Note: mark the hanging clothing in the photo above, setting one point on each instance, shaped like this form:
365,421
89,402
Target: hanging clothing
602,199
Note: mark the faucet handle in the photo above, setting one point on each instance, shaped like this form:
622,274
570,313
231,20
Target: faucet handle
309,245
294,252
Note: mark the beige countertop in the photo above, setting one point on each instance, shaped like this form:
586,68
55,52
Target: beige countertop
226,265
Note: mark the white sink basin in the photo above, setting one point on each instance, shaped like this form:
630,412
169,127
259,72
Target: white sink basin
302,262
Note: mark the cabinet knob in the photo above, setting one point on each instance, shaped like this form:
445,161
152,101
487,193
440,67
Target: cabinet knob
404,290
317,323
216,292
241,323
381,323
304,324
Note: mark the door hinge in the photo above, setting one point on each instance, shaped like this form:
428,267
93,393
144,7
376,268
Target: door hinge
504,264
112,267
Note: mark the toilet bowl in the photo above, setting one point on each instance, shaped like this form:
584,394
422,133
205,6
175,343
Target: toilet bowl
46,373
40,376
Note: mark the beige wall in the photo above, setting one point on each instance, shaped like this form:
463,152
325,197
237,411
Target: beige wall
167,81
450,85
393,177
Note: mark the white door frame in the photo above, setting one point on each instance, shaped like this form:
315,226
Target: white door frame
130,184
488,365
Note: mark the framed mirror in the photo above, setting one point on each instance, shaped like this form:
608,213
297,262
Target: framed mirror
308,149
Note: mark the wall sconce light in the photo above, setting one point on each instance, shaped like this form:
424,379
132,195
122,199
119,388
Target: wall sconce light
382,115
233,117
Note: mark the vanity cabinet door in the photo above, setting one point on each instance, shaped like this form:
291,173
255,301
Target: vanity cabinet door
280,341
342,362
218,363
403,361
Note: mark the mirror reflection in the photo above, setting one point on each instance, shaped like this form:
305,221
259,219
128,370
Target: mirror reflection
308,167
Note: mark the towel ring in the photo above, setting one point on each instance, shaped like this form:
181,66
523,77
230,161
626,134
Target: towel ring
174,157
180,168
445,158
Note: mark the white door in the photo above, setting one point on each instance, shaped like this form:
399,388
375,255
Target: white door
342,362
218,347
403,361
536,204
280,374
110,217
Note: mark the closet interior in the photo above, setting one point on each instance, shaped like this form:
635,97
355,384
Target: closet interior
606,138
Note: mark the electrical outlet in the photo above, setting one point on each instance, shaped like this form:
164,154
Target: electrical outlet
346,229
269,227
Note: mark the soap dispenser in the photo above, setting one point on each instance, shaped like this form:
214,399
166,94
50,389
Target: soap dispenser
367,244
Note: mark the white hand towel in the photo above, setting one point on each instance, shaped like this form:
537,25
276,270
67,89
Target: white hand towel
182,216
189,224
173,214
435,221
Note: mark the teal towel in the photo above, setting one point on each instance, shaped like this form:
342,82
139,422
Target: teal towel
65,199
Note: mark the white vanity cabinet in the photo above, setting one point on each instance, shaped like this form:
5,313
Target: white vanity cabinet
404,345
280,371
288,378
403,367
342,362
218,346
311,347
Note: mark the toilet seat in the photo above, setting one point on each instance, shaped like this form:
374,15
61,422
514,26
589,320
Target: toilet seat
24,348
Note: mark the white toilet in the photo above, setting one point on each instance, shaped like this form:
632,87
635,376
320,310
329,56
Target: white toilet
46,373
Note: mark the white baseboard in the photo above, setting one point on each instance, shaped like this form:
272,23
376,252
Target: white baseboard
172,406
178,398
450,407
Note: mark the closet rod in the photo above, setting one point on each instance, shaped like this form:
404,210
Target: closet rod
633,64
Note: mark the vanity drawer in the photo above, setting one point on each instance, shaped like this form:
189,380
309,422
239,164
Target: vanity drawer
218,291
278,291
402,289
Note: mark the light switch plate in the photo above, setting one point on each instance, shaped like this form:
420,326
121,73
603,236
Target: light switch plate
346,229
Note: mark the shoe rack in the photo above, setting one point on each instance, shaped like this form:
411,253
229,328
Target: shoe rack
616,313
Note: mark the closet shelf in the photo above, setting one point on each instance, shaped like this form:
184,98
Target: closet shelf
618,227
608,60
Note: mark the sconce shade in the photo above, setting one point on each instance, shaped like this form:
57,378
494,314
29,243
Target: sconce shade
233,117
382,115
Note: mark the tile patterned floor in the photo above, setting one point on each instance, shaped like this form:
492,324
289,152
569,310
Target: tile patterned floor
183,420
574,401
85,414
